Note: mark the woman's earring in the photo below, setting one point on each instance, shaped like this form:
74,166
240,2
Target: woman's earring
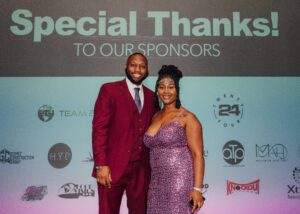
160,103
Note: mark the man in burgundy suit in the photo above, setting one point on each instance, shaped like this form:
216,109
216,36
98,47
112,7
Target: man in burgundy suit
123,112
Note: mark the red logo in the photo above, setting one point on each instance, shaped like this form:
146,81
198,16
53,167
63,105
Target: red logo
249,187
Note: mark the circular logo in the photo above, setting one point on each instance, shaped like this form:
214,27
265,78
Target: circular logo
296,174
233,152
45,113
59,155
228,110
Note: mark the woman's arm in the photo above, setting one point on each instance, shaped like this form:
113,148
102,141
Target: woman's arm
195,144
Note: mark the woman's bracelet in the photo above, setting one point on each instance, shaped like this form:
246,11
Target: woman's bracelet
198,189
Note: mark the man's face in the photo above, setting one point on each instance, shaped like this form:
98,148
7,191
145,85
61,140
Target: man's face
136,69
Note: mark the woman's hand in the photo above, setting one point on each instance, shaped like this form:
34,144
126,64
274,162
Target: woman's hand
197,198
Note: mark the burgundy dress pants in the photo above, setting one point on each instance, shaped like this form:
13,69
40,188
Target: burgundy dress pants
135,182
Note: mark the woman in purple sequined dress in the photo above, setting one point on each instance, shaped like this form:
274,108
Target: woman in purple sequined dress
176,151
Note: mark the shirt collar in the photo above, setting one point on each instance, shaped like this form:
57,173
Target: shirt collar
131,86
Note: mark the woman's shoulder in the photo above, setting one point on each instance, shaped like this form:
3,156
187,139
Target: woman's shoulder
188,116
156,115
185,113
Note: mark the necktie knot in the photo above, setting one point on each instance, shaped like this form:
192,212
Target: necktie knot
136,90
137,99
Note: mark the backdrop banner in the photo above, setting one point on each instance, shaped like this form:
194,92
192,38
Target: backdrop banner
93,38
241,79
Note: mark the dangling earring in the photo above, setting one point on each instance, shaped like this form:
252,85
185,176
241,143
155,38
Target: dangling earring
160,103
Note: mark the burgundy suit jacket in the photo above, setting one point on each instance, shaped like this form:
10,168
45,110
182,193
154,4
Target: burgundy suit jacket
113,133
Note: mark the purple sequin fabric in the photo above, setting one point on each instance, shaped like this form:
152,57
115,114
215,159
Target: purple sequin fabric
171,170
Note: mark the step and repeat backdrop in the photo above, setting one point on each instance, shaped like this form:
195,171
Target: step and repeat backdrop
241,78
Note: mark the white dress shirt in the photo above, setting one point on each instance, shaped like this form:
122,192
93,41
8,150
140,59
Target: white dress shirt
131,87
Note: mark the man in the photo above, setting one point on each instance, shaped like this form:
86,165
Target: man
122,114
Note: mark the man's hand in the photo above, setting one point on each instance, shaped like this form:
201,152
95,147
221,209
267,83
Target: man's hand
104,176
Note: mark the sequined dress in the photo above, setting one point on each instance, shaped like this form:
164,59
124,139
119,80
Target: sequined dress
171,170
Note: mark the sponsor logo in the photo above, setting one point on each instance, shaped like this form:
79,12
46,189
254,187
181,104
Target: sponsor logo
45,113
228,110
74,191
13,157
252,187
59,155
205,188
271,153
294,189
33,193
76,113
296,174
233,152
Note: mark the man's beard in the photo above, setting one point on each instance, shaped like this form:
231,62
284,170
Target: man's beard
134,81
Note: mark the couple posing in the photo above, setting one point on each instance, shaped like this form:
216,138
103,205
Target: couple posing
128,123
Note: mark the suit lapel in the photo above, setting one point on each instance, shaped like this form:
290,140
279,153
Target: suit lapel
146,101
127,96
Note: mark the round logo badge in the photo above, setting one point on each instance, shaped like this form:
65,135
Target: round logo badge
233,152
45,113
59,155
296,174
228,110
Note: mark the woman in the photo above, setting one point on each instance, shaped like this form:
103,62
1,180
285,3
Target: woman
176,151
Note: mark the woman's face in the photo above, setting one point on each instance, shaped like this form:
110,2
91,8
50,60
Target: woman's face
167,91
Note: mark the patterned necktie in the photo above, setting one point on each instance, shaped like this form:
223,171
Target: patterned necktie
137,99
